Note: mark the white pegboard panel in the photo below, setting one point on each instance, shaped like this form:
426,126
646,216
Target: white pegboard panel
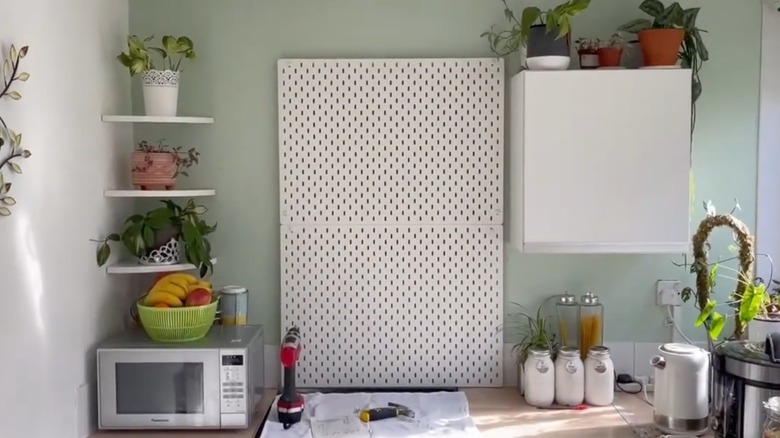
388,141
395,306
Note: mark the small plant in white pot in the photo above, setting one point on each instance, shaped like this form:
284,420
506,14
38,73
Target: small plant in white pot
161,87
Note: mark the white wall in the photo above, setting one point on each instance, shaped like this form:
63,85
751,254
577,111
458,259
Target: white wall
56,303
768,205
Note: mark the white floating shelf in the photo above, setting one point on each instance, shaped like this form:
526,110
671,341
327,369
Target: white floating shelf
133,267
159,193
158,119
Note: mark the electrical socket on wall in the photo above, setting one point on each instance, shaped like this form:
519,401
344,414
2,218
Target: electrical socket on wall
668,293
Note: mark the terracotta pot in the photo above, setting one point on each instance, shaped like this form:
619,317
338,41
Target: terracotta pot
661,46
153,170
588,59
610,56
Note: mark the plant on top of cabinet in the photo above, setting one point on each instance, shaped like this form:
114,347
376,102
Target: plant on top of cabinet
611,53
672,34
749,299
156,166
587,50
154,237
8,138
161,87
541,32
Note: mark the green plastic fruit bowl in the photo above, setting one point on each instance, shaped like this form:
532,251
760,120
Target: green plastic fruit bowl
177,324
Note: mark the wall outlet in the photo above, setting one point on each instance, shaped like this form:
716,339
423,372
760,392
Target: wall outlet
668,293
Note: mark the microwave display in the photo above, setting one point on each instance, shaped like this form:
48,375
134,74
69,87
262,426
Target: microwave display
233,360
159,388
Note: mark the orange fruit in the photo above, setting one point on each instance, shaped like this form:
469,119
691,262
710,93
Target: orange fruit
161,305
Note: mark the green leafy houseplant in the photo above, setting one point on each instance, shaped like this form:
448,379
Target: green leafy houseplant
138,58
534,332
182,159
693,52
557,19
142,231
749,299
11,142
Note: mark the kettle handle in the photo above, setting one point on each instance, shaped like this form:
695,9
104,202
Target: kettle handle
658,362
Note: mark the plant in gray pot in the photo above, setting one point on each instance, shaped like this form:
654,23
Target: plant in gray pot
154,237
546,35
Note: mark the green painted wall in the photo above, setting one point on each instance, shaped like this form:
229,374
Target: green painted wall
239,41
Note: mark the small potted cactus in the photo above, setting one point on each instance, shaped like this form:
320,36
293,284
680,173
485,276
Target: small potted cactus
587,49
156,167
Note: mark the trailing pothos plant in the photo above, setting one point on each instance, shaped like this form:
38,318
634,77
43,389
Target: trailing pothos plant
11,142
557,19
693,52
535,332
142,231
138,58
749,298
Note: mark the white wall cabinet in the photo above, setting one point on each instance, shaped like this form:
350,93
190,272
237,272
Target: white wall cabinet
600,161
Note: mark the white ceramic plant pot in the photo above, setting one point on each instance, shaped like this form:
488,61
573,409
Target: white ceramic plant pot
161,92
760,327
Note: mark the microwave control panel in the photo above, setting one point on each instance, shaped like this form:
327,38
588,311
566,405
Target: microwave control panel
233,382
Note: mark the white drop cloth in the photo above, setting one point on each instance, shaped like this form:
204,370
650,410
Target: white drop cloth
437,414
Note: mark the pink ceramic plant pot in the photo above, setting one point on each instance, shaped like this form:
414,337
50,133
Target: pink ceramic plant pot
153,170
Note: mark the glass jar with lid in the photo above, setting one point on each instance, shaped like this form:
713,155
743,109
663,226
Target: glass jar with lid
772,420
568,312
591,323
539,378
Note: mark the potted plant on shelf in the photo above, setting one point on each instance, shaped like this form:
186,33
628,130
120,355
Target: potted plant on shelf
545,34
672,35
154,237
160,87
587,50
158,166
611,54
535,332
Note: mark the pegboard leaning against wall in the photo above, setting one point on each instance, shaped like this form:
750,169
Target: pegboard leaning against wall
391,179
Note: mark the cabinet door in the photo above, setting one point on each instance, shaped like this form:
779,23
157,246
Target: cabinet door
606,161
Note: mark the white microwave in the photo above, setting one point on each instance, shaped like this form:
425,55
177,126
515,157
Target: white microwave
212,383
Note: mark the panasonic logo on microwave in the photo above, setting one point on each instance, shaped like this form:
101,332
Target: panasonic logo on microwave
160,420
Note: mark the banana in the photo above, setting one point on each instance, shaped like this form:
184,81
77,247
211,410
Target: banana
180,282
181,278
156,297
170,288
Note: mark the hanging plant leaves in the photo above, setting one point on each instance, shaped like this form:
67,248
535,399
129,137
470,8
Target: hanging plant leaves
752,300
23,76
705,314
14,95
717,323
15,167
8,200
23,51
103,253
4,211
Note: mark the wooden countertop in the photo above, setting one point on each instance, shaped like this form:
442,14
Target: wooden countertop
497,412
